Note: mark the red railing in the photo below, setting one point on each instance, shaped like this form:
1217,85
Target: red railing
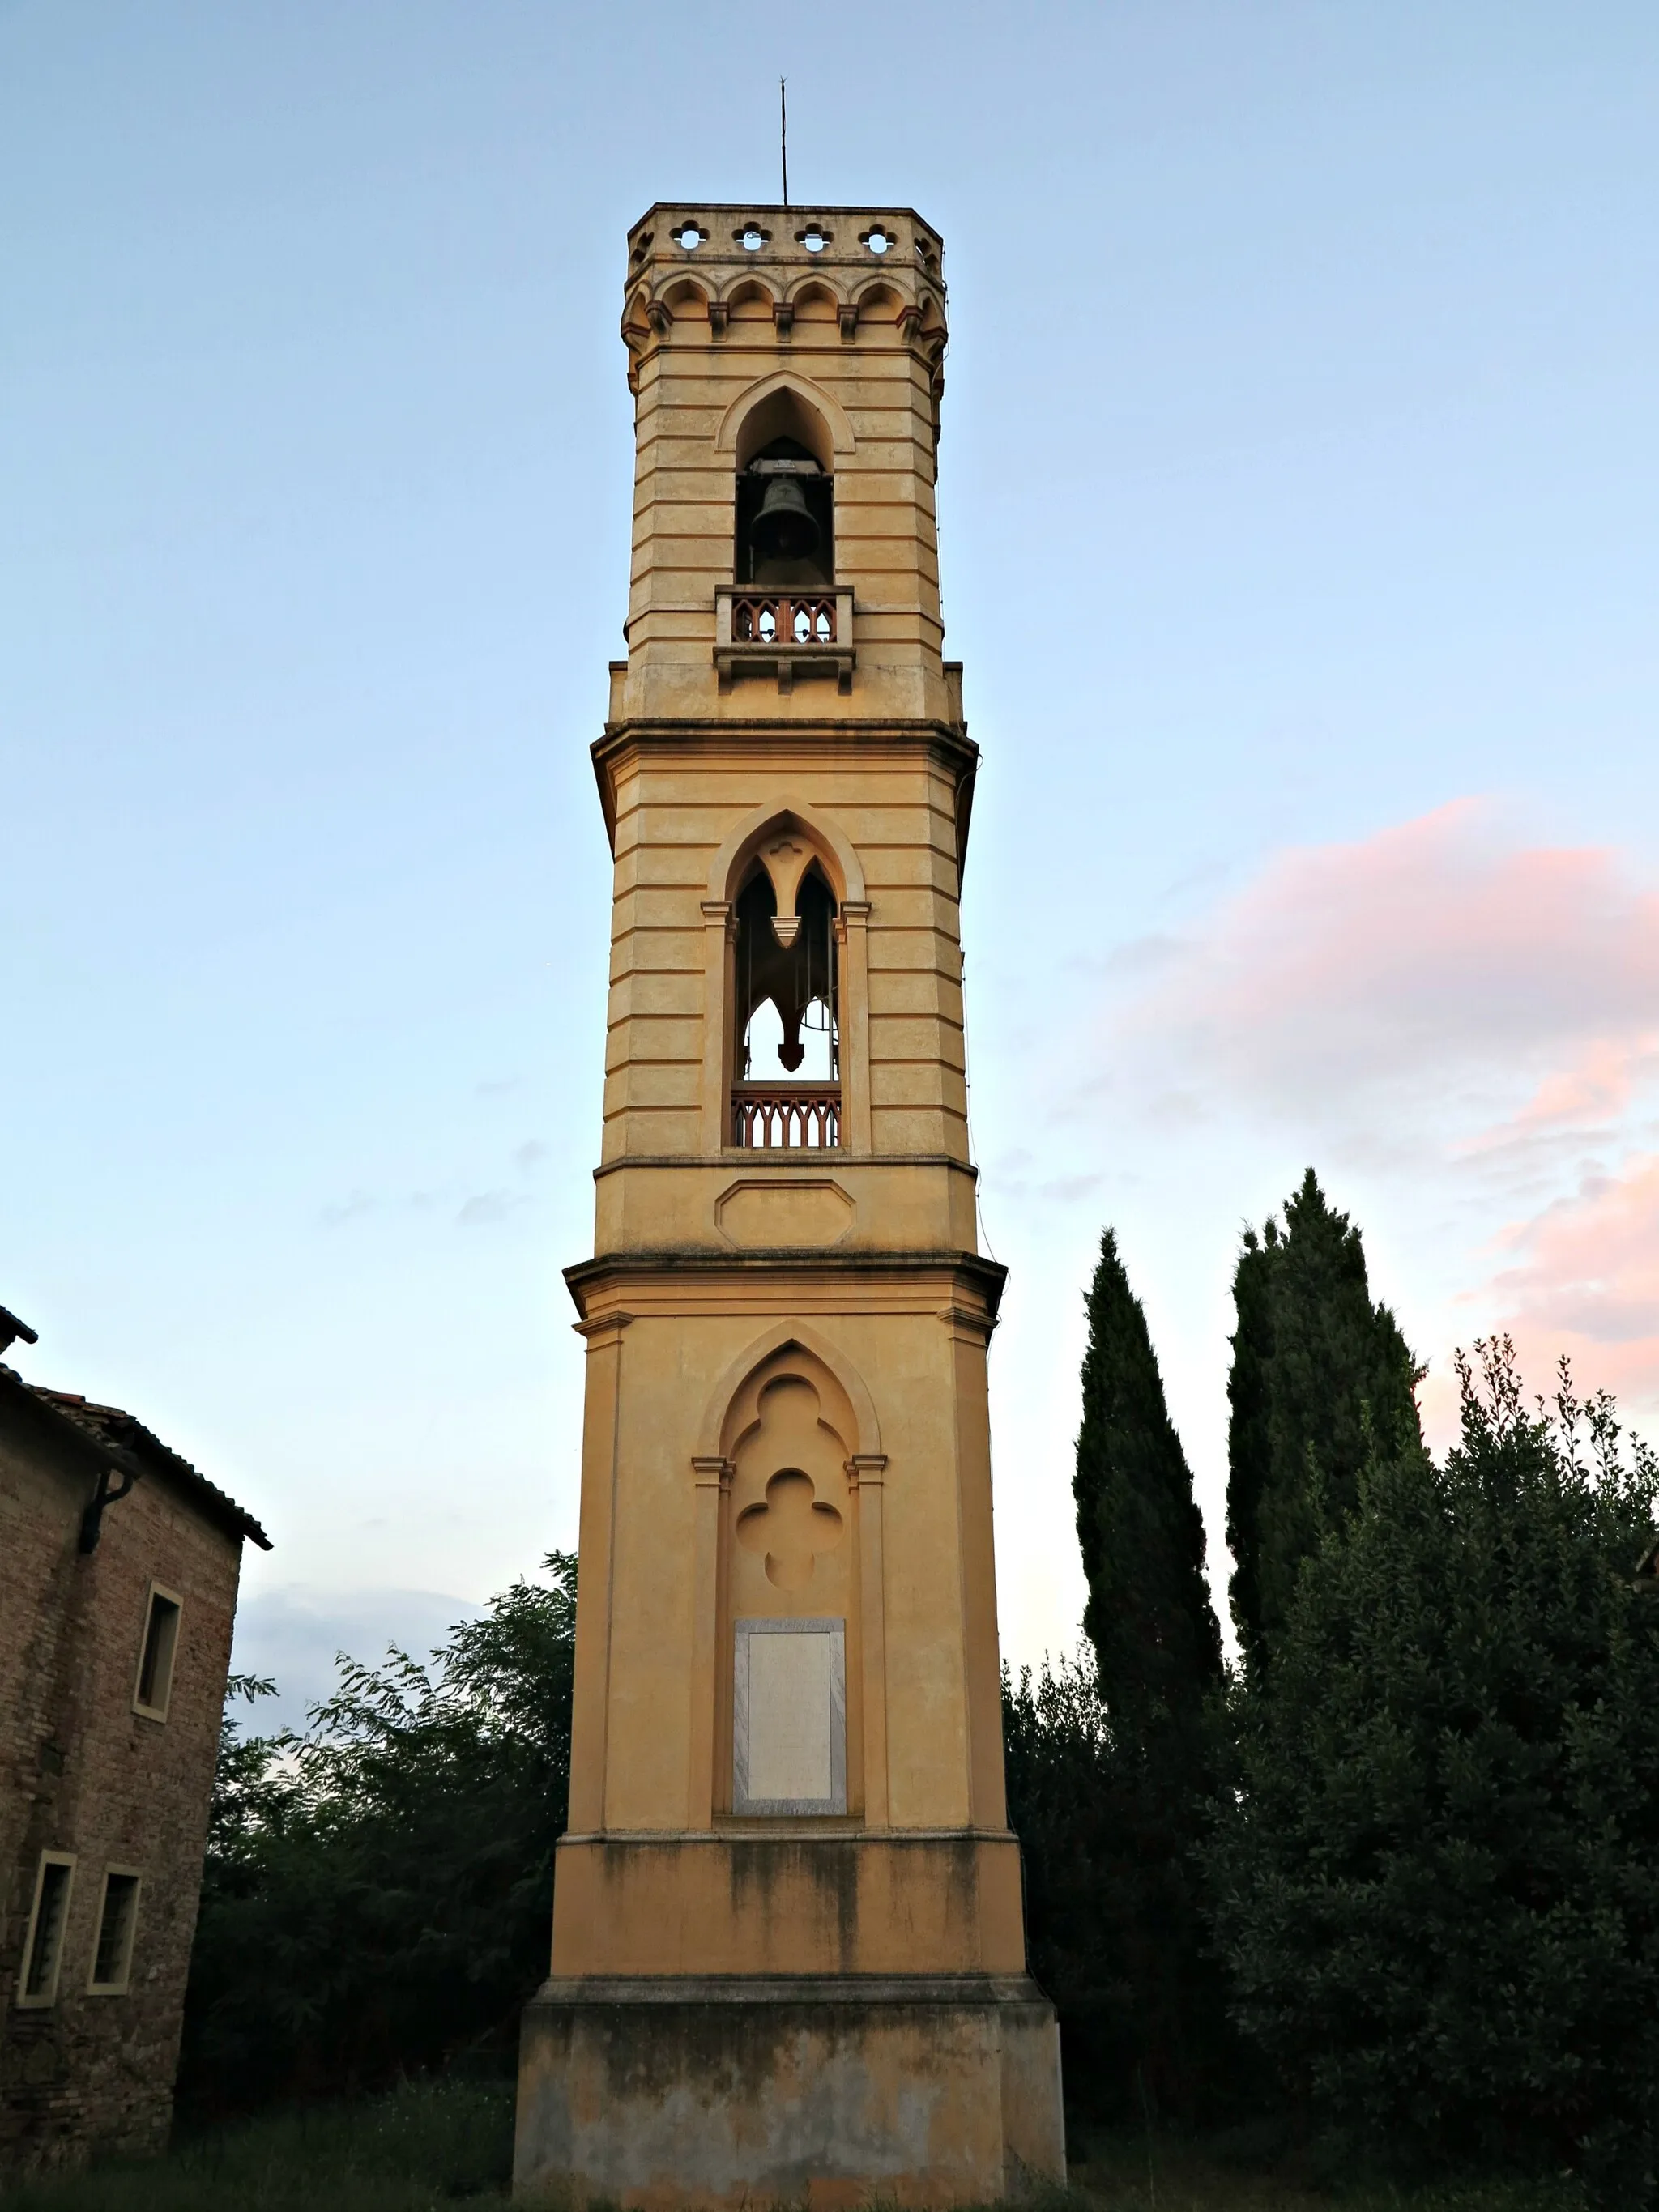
773,618
794,1114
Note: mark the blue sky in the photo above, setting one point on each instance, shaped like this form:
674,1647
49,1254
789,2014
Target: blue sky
1298,491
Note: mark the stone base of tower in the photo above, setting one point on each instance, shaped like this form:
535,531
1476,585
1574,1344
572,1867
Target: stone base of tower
712,2091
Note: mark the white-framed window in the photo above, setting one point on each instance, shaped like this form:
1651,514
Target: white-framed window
789,1716
43,1945
117,1924
154,1686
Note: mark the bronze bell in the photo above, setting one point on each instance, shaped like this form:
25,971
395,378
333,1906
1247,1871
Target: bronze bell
784,528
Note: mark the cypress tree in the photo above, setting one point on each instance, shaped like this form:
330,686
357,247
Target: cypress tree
1111,1767
1250,1432
1319,1376
1149,1618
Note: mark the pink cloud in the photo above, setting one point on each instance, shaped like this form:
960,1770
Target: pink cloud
1589,1265
1585,1282
1597,1090
1429,951
1465,1019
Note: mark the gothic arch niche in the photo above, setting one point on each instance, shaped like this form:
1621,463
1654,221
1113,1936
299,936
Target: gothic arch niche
687,302
789,1553
814,303
880,313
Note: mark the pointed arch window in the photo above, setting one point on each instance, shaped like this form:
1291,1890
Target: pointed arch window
786,1013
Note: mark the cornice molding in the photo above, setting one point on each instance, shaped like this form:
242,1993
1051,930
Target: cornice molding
987,1276
786,1166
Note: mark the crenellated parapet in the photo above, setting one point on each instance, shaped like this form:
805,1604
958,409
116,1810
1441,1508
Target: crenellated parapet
871,276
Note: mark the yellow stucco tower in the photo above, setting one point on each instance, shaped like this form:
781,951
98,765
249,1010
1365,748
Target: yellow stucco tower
788,1951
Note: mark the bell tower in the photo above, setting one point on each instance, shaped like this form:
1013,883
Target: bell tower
788,1952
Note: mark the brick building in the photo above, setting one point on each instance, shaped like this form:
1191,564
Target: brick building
119,1568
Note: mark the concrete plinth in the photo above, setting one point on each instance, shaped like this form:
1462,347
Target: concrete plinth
657,2093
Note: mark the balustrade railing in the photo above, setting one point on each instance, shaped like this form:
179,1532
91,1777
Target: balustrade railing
774,618
770,1117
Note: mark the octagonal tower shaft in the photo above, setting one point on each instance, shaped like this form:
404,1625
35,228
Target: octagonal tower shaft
787,1789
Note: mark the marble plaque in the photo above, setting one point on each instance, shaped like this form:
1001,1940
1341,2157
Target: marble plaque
789,1720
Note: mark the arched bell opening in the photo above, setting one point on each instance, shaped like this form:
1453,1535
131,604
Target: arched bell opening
786,1017
786,520
786,497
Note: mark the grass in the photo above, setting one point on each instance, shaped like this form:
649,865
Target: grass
449,2145
1126,2173
436,2148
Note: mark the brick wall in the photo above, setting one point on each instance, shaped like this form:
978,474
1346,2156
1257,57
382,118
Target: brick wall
81,1771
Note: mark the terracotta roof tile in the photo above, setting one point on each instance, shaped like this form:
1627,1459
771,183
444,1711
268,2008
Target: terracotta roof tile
124,1432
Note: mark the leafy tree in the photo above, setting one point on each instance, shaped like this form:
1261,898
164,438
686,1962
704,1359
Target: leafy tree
377,1891
1318,1372
1438,1883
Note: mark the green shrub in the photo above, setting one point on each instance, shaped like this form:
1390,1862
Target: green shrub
1438,1886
